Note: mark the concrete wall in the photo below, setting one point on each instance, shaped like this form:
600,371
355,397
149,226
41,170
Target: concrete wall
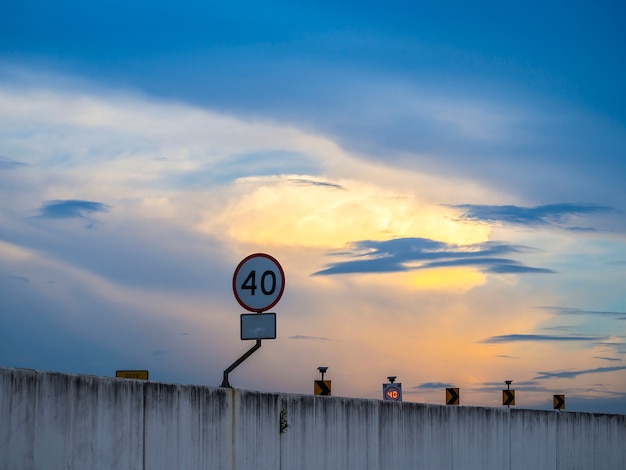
55,421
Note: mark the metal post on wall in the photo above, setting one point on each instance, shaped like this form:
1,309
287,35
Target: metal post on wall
225,382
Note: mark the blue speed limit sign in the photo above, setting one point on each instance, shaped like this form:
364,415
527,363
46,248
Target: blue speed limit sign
258,282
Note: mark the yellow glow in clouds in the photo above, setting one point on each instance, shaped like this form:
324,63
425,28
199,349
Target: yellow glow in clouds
284,211
457,279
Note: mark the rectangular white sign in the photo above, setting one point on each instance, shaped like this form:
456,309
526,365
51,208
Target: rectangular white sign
258,326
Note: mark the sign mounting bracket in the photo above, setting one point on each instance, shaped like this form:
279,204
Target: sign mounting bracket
246,355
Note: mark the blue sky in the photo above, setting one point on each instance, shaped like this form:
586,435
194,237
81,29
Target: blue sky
443,185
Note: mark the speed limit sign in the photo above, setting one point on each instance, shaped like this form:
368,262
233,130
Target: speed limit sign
392,392
258,282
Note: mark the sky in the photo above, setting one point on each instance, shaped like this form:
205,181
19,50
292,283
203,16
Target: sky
443,186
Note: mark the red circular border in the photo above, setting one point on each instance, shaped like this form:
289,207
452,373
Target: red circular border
396,389
282,287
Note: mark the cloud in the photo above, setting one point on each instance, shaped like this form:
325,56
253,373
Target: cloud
406,254
515,338
432,385
616,359
270,162
6,164
613,404
308,182
561,328
310,338
70,209
579,311
527,386
159,354
570,374
618,348
551,214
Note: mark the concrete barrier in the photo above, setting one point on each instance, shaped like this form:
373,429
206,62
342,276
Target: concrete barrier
58,421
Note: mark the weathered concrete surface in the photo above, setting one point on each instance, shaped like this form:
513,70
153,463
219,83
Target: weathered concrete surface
57,421
187,427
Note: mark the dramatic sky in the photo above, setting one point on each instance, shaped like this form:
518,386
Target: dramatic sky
443,184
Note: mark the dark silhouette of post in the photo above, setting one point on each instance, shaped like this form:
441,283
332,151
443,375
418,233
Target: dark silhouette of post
225,382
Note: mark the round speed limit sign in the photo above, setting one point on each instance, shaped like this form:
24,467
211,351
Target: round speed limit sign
258,282
392,393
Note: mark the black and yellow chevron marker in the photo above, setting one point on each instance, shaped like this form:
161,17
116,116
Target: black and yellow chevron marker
453,396
322,387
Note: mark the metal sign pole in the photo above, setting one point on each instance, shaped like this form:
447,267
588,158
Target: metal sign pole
232,367
258,284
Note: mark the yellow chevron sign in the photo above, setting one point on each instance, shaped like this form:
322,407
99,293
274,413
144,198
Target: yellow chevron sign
558,402
508,397
322,387
452,396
